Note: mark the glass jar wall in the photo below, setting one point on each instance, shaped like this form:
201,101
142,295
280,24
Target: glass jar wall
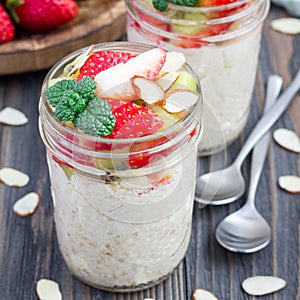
222,44
119,228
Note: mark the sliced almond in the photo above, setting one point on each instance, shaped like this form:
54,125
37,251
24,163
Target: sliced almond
47,289
81,60
179,100
27,205
148,90
12,177
263,285
286,25
174,61
167,80
287,139
290,183
200,294
12,116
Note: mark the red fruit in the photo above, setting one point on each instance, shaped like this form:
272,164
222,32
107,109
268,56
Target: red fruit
7,30
102,60
138,160
42,15
207,3
115,103
160,25
224,12
195,41
115,82
134,121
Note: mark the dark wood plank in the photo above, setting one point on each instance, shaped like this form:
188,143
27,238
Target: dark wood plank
29,249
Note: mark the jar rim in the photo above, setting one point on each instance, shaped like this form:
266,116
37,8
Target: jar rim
255,11
116,46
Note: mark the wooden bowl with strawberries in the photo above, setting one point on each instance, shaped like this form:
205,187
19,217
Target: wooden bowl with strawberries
97,21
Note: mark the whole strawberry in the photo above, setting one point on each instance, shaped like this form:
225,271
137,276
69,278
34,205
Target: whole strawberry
42,15
7,30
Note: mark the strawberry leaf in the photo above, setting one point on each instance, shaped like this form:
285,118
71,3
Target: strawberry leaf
97,118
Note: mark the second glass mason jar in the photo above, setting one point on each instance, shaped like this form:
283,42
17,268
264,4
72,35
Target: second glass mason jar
222,44
119,228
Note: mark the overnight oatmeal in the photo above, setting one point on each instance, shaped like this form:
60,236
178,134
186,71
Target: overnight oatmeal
221,41
120,124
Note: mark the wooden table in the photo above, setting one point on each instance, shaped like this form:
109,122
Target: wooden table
28,246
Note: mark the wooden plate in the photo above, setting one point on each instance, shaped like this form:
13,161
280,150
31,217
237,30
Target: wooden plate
98,21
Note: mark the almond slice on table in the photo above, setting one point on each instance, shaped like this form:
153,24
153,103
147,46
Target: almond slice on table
13,177
166,80
148,90
262,285
286,25
47,289
287,139
26,205
174,61
200,294
290,183
12,116
179,100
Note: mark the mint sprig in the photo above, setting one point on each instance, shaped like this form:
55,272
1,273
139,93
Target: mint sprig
75,101
162,5
96,119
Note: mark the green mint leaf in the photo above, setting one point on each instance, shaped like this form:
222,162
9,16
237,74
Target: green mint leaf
191,3
160,5
69,97
71,104
56,93
96,119
86,87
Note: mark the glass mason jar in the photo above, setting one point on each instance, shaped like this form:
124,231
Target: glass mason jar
222,44
119,228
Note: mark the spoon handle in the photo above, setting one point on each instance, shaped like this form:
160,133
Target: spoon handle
268,119
260,150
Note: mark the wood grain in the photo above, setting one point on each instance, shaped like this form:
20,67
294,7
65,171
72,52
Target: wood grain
98,21
29,249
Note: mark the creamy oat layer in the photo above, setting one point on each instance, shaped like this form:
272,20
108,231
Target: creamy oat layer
227,73
98,238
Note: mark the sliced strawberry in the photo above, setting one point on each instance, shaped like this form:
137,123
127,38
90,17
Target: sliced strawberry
195,41
102,60
115,82
138,160
60,162
115,103
221,13
187,42
162,26
207,3
135,121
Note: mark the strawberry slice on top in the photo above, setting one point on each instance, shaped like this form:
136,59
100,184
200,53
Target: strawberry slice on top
134,121
102,60
115,82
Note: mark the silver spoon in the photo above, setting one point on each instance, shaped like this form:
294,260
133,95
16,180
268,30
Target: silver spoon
246,230
227,185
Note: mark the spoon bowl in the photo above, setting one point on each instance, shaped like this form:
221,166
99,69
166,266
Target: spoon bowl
222,186
244,231
208,186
